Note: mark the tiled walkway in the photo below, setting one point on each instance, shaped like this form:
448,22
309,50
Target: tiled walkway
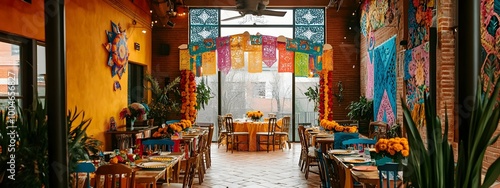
257,169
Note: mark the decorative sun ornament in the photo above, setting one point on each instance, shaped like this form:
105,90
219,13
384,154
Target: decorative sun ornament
118,51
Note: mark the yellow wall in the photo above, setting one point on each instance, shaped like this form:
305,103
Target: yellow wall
89,81
23,19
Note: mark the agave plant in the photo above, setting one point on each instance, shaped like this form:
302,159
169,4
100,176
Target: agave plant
431,166
164,99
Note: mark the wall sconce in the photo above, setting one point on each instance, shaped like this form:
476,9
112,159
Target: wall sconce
340,95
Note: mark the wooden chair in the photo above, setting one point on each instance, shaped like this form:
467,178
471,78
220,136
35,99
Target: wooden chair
221,130
390,171
331,174
283,133
303,148
308,154
378,129
269,135
207,156
233,136
323,174
83,168
190,169
114,174
163,144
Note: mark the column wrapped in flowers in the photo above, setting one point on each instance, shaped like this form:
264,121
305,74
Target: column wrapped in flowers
326,95
188,94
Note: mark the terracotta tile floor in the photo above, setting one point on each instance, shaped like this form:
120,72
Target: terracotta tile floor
256,169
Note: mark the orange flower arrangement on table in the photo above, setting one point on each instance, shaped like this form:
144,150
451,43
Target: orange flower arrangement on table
188,94
170,129
394,148
336,127
255,115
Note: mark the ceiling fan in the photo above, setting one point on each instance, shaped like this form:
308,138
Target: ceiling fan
253,7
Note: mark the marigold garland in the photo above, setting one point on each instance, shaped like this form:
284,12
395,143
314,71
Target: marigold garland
188,95
325,95
334,126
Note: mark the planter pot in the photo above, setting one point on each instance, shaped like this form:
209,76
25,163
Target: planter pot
130,123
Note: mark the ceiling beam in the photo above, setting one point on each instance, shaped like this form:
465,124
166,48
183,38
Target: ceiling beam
272,3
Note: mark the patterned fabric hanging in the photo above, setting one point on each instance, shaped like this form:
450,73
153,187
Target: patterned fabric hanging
208,65
286,58
301,64
328,60
237,53
223,54
196,64
255,59
184,60
269,50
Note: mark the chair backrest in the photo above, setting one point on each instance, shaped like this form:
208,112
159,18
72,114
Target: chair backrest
323,174
390,171
164,144
190,170
356,142
84,168
378,129
301,130
114,174
285,124
210,135
220,124
271,125
229,123
331,175
340,137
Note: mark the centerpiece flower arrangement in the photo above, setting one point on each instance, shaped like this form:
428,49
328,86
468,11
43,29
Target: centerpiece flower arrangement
188,93
336,127
395,148
255,115
134,111
170,129
124,157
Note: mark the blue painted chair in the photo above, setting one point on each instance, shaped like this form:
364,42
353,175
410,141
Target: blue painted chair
172,121
390,171
340,137
323,170
84,168
358,141
164,144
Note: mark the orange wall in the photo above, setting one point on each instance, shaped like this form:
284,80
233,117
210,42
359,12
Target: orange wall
89,81
23,19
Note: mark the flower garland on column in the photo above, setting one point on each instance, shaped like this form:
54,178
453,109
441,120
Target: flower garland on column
325,95
188,94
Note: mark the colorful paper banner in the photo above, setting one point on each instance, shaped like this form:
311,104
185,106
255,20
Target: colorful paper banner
328,60
237,53
223,54
255,59
286,58
301,64
269,50
184,60
208,65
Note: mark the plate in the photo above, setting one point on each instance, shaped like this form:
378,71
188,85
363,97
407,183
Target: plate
356,160
161,158
341,152
365,168
152,165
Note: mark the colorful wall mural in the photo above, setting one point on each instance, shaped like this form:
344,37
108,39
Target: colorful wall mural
384,96
419,21
376,14
490,39
416,77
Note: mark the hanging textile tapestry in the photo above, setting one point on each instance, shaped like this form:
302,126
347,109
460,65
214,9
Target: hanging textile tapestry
286,58
416,76
269,50
490,40
369,75
384,98
419,22
223,54
301,64
209,67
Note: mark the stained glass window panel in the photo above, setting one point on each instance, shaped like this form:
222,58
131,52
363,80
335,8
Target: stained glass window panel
310,17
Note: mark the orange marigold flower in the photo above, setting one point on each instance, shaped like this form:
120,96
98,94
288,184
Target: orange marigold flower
405,153
383,147
397,147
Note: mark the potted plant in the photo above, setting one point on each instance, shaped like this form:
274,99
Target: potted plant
362,111
164,99
312,94
203,94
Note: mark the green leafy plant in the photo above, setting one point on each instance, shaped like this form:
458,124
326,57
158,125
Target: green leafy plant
203,94
360,110
312,94
431,165
164,99
80,145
